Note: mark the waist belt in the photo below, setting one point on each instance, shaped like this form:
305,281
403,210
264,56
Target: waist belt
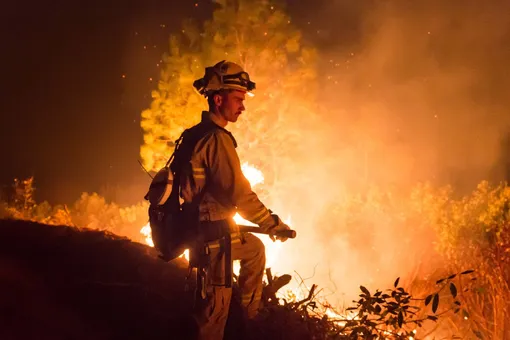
235,238
212,231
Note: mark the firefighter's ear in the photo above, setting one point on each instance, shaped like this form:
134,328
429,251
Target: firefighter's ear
218,99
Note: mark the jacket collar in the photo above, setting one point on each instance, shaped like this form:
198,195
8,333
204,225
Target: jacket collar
206,118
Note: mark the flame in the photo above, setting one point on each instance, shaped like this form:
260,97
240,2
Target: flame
146,232
252,174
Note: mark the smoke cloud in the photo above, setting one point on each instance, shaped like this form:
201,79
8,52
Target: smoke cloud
413,91
423,92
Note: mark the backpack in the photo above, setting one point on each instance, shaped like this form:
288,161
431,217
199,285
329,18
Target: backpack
174,227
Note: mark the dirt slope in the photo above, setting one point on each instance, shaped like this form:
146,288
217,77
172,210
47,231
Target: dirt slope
63,283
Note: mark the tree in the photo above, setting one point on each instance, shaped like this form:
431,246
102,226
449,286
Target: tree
261,37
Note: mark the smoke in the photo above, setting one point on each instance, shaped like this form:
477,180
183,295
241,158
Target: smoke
411,91
423,93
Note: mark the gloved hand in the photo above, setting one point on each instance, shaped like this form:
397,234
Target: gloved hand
279,226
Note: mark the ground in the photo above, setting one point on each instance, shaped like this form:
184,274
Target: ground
60,282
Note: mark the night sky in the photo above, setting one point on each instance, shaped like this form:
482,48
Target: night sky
69,117
75,78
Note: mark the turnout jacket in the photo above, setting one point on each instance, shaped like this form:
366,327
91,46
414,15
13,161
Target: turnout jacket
213,181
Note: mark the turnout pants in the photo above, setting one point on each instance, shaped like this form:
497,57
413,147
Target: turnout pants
211,313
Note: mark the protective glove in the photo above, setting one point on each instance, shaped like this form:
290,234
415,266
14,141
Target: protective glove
279,226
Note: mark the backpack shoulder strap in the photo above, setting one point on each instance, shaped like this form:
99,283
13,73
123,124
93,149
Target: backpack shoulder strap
189,139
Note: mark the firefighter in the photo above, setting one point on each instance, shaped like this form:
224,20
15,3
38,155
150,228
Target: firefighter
217,186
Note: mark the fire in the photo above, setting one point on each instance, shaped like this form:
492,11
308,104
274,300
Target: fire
252,174
146,231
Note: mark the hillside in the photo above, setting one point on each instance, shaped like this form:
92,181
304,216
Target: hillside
64,283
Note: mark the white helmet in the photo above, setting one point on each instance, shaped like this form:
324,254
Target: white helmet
224,75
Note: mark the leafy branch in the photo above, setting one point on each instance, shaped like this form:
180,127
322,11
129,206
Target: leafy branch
390,314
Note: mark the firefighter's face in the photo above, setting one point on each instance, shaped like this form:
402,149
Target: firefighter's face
230,105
